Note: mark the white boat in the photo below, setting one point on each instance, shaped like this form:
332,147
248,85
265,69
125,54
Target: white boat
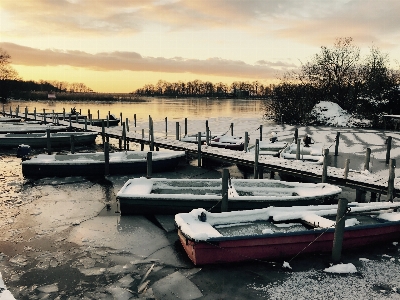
92,164
4,119
57,139
282,232
309,151
24,127
170,196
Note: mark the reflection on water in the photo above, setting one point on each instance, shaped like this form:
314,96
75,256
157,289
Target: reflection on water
156,107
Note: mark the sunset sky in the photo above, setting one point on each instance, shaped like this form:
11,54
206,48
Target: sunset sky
120,45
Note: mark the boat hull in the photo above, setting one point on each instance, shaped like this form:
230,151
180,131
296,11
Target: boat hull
281,246
169,196
96,168
37,140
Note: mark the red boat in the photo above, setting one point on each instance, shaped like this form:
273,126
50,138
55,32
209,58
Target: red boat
278,233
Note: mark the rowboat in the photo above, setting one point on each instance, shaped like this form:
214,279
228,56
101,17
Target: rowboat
308,152
269,148
282,232
92,164
23,127
9,119
99,122
57,139
171,196
228,142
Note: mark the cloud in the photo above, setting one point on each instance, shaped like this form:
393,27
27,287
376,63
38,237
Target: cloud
132,61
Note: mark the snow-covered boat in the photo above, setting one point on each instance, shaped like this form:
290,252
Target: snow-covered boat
170,196
92,164
24,127
58,139
4,119
228,142
312,152
282,232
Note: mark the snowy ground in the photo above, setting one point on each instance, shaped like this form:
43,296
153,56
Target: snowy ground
64,238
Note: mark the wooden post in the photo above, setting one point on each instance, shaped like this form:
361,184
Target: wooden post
10,112
142,142
86,124
207,133
70,122
44,116
63,113
246,141
392,167
72,139
124,134
134,120
127,124
367,159
325,166
199,149
26,112
149,164
48,141
34,113
298,143
103,132
88,113
186,126
261,129
260,172
337,143
108,121
106,159
339,231
98,114
151,134
389,146
346,168
256,151
231,129
76,119
225,182
177,131
296,135
166,127
120,118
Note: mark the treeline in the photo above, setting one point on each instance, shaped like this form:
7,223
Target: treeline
198,88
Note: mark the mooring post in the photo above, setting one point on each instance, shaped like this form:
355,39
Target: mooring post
186,126
389,147
72,140
296,135
166,127
63,113
44,116
103,132
17,111
26,112
48,141
246,141
124,134
88,113
86,124
260,172
108,122
256,151
10,112
261,129
298,144
4,113
392,167
134,120
98,114
127,124
177,131
339,230
106,159
151,134
337,143
149,164
231,129
367,159
199,149
70,122
91,119
120,118
225,182
346,168
325,166
142,142
34,113
207,133
76,119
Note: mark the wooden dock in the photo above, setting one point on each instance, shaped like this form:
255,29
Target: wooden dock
364,182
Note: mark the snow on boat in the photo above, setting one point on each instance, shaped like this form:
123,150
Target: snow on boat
58,139
92,164
228,142
269,148
282,232
171,196
4,119
24,127
308,152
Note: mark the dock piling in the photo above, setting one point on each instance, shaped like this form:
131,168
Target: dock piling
298,144
388,148
256,152
261,131
339,230
246,141
199,149
106,159
72,140
337,143
48,135
149,164
392,167
367,159
225,186
177,131
325,166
